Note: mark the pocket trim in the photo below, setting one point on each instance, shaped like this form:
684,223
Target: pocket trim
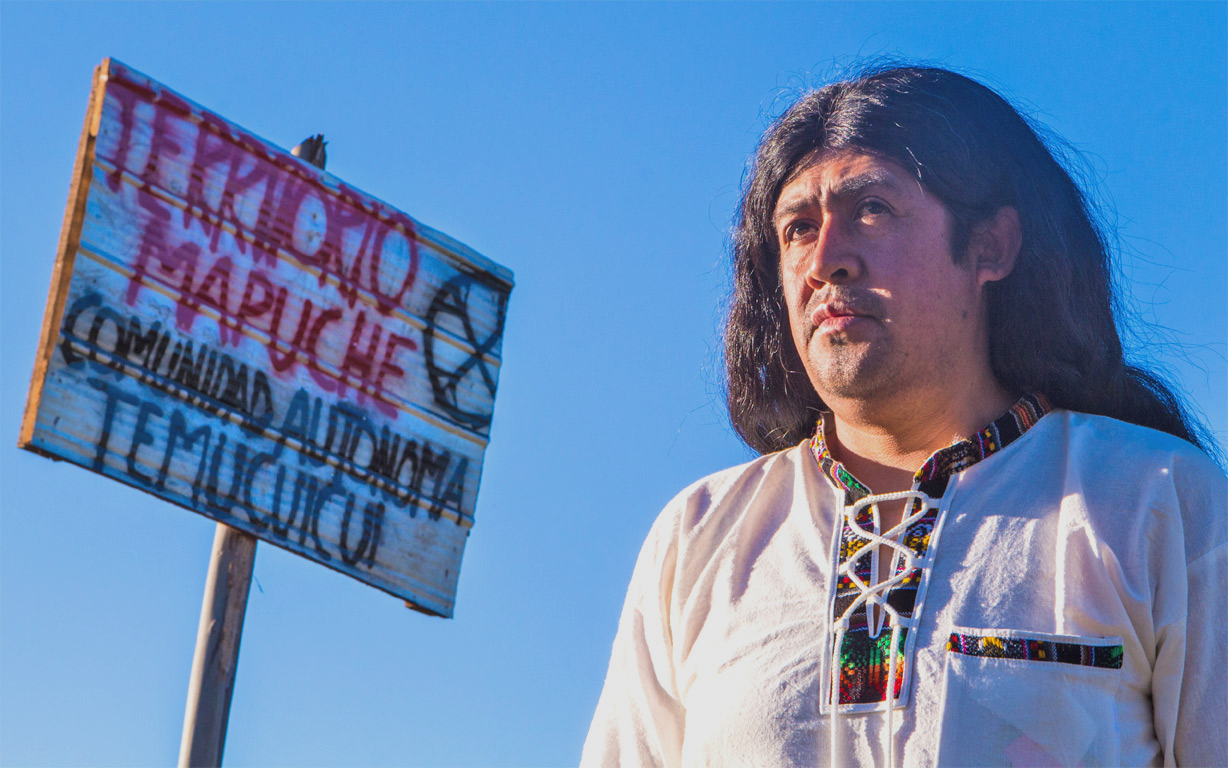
1102,653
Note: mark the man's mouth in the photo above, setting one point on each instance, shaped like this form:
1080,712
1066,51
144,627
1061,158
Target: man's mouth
835,317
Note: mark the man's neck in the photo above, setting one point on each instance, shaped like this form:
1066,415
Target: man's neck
883,446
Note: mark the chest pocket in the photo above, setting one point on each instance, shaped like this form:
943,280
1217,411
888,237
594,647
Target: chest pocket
1015,698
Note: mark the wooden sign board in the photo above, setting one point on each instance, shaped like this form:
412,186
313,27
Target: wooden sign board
241,333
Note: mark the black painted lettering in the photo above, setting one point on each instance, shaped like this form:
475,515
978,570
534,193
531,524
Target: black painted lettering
177,435
114,396
435,466
260,409
141,436
68,330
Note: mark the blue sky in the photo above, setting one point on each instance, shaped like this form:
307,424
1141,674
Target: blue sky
596,150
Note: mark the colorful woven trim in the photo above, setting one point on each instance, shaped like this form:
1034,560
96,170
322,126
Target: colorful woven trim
863,659
1004,430
1103,656
834,470
864,668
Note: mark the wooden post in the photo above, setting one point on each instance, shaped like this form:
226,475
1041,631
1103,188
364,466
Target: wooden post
217,648
221,615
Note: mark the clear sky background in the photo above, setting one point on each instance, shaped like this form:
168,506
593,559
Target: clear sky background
597,151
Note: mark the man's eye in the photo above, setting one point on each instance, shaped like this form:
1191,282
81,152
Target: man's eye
871,208
798,230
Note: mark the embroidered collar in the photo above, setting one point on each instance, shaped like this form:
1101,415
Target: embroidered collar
865,658
945,462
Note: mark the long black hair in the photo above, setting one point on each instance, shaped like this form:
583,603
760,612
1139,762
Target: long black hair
1053,322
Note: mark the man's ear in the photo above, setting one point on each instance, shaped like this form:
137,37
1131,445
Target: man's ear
995,245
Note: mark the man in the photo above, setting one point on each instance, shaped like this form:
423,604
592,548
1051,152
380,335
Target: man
976,536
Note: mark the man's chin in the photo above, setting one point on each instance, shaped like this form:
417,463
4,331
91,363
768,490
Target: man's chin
850,374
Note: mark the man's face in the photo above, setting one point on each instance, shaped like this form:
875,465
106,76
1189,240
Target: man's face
877,306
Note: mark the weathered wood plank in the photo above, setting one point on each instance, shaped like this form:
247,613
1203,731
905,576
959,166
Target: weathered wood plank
70,234
243,334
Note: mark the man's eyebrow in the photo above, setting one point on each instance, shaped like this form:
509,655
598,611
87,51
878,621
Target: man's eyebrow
849,187
861,182
796,205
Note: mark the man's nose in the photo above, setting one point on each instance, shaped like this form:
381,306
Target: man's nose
833,257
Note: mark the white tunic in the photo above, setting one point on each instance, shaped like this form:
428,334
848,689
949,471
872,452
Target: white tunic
1070,610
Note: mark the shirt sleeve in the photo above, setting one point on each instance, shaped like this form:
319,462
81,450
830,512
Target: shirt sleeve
1200,733
640,720
1189,692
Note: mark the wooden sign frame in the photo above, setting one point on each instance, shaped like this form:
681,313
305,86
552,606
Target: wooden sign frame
240,333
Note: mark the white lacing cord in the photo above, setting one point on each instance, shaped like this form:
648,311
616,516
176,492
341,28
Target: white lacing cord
873,594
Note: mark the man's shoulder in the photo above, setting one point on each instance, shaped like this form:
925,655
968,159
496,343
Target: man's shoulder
1117,466
1103,438
719,499
715,515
